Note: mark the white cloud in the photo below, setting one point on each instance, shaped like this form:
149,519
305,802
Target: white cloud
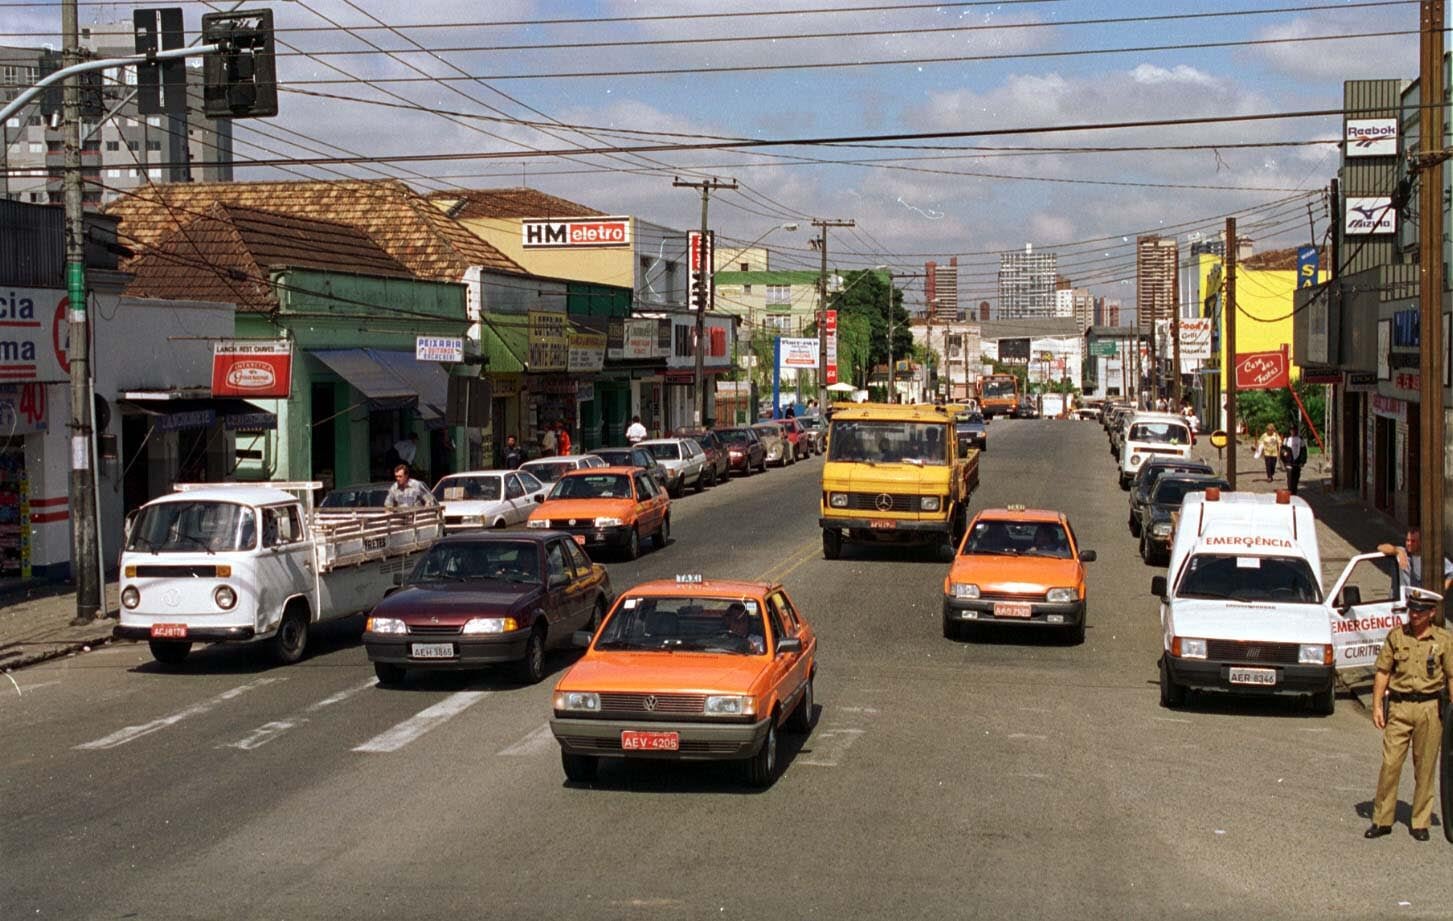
1365,58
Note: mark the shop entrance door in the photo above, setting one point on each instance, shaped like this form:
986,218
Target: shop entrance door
1414,468
1384,447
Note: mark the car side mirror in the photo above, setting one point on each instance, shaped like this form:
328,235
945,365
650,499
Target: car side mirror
1157,586
1351,596
581,638
559,581
1087,556
789,644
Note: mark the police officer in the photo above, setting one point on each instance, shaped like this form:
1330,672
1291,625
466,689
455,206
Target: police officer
1414,670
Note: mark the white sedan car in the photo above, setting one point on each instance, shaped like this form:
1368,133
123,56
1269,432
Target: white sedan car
684,461
550,469
488,498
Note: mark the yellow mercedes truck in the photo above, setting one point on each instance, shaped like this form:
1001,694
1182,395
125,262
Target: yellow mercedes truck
894,473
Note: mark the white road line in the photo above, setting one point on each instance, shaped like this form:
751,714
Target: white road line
271,730
829,746
1023,736
423,721
132,733
1168,719
537,742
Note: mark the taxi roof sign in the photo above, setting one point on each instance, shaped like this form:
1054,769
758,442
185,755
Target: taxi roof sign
689,579
1016,507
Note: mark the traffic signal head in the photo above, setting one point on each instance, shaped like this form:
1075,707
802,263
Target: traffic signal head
241,77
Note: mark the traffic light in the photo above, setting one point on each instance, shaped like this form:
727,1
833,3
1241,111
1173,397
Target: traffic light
52,98
241,77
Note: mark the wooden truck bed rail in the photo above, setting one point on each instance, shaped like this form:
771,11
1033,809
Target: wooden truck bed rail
348,537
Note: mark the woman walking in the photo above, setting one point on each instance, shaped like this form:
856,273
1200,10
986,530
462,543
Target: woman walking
1268,448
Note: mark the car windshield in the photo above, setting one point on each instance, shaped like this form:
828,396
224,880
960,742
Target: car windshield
1018,538
1159,433
617,457
1150,473
731,626
355,498
187,527
455,488
665,451
497,560
1230,577
1172,490
877,441
997,389
549,471
963,419
593,486
735,436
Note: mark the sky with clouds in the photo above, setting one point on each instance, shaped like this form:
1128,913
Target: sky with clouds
470,73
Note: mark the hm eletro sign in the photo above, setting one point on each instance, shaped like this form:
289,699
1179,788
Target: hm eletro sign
538,233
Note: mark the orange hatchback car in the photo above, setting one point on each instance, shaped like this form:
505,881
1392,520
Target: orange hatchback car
689,670
1017,566
607,507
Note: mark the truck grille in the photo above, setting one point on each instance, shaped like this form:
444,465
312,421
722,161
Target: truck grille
653,703
1239,651
868,501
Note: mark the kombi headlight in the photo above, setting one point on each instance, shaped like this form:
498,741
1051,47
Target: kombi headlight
225,597
730,705
965,590
929,503
130,597
477,625
1061,595
385,625
1135,458
578,701
837,499
1185,648
1314,654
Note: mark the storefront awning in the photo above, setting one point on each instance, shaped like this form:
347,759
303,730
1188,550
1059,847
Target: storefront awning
370,375
176,414
428,379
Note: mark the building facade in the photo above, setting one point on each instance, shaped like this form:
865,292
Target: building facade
1156,280
941,291
1026,284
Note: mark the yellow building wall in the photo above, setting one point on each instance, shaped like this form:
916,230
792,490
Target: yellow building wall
1264,323
603,265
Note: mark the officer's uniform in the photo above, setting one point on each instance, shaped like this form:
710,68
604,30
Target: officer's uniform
1418,670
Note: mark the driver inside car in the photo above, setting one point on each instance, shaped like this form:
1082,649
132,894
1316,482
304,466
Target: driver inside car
739,625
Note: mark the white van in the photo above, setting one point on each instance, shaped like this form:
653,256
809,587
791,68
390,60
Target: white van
1242,608
1152,435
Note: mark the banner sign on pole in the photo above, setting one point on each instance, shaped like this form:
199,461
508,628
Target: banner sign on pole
699,259
831,372
438,348
1196,338
798,354
1306,266
1262,371
252,369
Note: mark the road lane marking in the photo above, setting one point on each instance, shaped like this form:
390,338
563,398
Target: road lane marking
132,733
829,746
423,721
271,730
770,574
1023,736
537,742
1168,719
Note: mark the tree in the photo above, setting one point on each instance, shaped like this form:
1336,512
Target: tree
865,293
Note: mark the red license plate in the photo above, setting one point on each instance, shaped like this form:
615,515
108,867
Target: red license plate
168,631
887,525
1012,609
634,741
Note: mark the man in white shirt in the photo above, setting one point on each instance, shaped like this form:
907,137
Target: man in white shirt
1410,561
636,432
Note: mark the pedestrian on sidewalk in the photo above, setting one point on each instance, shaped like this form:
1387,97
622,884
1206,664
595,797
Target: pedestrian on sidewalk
1410,561
562,438
548,443
1268,448
1414,674
1293,458
636,432
512,456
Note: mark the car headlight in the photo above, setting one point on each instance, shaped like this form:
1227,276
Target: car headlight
929,503
472,519
1314,654
1161,529
671,473
1061,595
734,452
225,597
578,701
1135,458
604,522
965,590
477,625
730,705
837,499
385,625
1184,648
130,596
538,523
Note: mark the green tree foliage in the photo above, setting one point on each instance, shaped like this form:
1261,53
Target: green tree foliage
1256,408
865,294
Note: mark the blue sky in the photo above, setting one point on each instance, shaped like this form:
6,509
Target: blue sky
970,203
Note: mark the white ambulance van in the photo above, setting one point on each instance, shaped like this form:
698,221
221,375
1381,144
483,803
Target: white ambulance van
1242,608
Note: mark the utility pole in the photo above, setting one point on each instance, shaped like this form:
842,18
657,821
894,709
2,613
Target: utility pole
892,388
1175,340
85,551
1228,369
823,225
703,288
1430,258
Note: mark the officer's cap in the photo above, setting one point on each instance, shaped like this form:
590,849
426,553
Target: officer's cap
1422,598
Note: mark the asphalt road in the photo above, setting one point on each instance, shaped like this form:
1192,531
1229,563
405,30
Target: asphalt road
1011,776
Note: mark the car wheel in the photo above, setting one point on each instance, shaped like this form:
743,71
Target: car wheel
761,768
596,616
633,545
579,768
701,481
170,652
291,640
1172,695
801,719
677,491
1325,703
531,669
389,674
1134,526
950,628
663,533
832,543
763,468
1077,632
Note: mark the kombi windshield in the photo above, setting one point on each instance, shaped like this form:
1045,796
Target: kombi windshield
187,527
1162,433
731,626
875,441
1229,577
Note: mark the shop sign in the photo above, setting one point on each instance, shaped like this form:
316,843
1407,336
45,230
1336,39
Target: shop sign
250,422
585,392
536,233
1371,137
1104,348
505,385
1262,371
549,340
34,335
797,354
1389,407
252,369
1332,376
554,385
587,352
699,259
1196,338
1359,381
830,326
176,422
1408,380
1365,216
439,348
22,409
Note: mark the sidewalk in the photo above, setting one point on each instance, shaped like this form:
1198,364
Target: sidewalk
36,628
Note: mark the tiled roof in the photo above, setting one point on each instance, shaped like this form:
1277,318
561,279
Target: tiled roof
225,254
401,221
507,203
1277,260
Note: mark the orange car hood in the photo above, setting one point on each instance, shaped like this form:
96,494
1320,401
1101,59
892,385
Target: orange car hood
1015,574
585,508
664,673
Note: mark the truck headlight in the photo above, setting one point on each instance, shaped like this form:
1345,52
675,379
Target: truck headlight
538,523
837,499
607,522
1135,458
730,705
1314,654
578,701
1184,648
1161,529
477,625
1061,595
929,503
965,590
225,597
385,625
130,597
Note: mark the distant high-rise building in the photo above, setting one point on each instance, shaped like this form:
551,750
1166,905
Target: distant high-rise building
1064,301
1112,313
983,311
941,289
1211,246
1155,280
1082,307
1026,284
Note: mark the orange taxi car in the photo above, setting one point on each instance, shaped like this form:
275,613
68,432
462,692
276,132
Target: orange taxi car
607,507
1017,566
689,670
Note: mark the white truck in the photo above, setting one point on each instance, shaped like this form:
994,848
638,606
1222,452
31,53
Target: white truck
219,562
1242,608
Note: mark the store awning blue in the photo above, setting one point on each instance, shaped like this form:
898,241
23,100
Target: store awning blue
429,380
370,375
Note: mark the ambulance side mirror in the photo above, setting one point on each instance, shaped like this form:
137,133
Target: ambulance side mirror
1157,586
1351,596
